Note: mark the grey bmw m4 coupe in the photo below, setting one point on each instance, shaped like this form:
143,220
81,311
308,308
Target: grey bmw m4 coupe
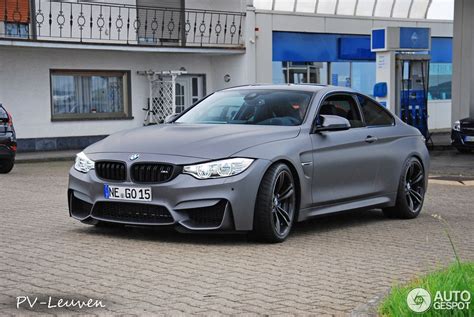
254,159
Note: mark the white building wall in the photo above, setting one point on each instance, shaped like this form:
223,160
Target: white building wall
439,114
463,65
25,84
234,66
218,5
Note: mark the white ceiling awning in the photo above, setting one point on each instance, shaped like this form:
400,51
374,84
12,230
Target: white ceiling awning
400,9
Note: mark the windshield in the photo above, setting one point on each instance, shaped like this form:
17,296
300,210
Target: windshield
251,106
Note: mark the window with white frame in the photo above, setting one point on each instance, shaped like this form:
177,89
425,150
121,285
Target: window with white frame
82,95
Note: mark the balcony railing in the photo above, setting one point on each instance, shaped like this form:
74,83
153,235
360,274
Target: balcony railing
122,24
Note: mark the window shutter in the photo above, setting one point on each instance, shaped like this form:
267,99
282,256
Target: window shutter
15,11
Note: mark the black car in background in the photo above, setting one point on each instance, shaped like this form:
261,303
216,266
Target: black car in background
462,135
7,141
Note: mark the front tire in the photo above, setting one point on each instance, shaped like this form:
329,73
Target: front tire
6,166
411,191
275,208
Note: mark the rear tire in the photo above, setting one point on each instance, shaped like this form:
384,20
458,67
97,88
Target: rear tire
411,191
6,166
275,208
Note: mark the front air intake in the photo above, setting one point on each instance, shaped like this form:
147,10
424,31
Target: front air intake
132,213
113,171
152,172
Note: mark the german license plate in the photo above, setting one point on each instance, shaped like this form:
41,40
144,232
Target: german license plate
127,193
469,138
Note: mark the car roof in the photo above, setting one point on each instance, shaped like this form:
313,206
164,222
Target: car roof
316,88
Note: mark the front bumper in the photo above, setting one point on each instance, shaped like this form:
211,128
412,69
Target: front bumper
7,142
6,153
225,204
458,140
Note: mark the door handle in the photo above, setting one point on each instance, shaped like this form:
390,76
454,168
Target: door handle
370,139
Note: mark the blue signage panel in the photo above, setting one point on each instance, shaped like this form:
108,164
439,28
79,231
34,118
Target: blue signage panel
304,47
414,38
441,50
317,47
380,89
355,48
378,39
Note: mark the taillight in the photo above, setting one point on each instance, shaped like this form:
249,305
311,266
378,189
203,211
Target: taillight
10,120
13,148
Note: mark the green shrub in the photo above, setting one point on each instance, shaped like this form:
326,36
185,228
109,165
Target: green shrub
457,277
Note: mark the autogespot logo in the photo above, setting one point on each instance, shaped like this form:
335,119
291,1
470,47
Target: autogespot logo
419,300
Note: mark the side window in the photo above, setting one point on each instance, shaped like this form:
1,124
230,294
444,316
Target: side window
343,106
374,114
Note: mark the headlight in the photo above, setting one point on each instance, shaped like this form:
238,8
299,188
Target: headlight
217,169
457,126
83,163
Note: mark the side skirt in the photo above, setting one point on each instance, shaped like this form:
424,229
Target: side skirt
373,202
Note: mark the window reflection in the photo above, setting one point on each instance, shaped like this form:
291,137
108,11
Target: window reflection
358,75
440,81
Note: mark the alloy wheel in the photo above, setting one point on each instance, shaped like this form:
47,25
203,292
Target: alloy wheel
415,186
283,203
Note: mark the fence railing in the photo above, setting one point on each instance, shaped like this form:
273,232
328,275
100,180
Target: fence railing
113,23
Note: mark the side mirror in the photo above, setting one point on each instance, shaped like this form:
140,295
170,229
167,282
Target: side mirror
171,118
330,123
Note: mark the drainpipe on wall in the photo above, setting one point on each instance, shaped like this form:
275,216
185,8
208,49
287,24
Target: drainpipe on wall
250,45
32,31
183,23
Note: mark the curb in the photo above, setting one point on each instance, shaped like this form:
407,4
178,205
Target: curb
440,148
369,309
44,159
451,182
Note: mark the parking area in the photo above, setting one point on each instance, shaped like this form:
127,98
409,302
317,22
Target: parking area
328,266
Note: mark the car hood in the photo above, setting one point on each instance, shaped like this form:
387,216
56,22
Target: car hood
467,121
206,141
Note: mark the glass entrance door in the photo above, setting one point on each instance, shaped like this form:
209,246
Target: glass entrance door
363,77
300,72
341,74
